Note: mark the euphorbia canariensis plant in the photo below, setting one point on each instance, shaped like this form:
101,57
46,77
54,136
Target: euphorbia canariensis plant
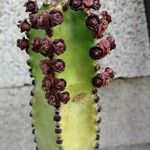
64,41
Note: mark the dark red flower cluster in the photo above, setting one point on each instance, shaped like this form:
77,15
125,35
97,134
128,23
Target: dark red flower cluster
54,86
31,6
102,48
50,66
47,47
84,4
46,20
24,27
23,43
98,23
103,79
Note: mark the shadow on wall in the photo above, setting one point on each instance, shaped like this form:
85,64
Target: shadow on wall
147,7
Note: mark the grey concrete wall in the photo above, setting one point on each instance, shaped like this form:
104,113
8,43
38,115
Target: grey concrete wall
15,123
126,107
125,113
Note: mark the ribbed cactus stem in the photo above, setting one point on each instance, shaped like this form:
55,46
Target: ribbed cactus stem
63,61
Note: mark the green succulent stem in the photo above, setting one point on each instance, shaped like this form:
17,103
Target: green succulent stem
79,115
63,60
42,113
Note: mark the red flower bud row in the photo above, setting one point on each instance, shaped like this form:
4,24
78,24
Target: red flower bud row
55,98
103,79
102,48
46,19
84,4
50,66
98,23
47,47
53,88
51,85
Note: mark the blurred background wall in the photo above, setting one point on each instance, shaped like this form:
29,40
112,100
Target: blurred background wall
125,103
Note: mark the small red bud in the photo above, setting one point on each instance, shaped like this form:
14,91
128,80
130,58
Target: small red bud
45,66
97,81
31,6
110,72
96,5
46,46
101,30
60,84
64,97
112,42
56,17
23,43
106,16
105,77
47,83
34,20
105,46
52,99
58,65
96,53
59,46
75,4
37,43
24,26
92,22
88,3
44,20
